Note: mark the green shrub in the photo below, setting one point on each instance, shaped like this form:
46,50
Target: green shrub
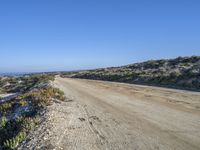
43,97
14,142
23,103
5,107
3,122
13,132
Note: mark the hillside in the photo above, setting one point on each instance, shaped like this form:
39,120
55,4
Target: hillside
182,73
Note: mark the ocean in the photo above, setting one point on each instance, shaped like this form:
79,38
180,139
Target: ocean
13,74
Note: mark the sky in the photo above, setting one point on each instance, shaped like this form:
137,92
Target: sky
54,35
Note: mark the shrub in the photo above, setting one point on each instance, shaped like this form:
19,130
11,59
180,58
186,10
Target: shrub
23,103
5,107
14,142
43,97
13,132
3,122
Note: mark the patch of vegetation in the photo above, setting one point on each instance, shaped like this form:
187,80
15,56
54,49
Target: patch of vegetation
13,132
5,107
19,115
14,142
43,97
23,84
2,91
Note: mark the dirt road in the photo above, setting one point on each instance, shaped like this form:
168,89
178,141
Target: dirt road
105,115
123,116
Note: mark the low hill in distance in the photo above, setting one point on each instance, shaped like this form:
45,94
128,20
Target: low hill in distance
181,73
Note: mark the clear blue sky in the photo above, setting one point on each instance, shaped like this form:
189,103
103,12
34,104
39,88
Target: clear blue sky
47,35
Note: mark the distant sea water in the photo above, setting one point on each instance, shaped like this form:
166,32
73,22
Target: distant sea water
14,74
20,74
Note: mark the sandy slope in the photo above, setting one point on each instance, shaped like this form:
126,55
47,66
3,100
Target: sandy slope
105,115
